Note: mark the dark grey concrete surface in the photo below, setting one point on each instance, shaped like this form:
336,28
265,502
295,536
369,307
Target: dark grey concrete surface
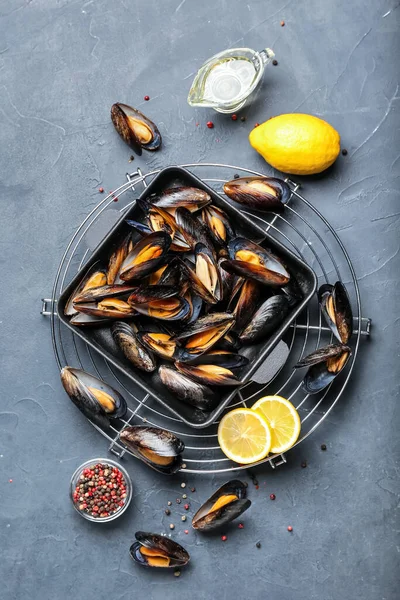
62,64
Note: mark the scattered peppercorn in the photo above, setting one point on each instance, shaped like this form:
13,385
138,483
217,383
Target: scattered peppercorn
258,545
323,446
210,124
186,531
303,464
10,480
344,152
193,489
172,526
184,496
178,500
90,496
282,23
147,98
183,485
275,62
241,526
223,538
115,199
256,125
101,190
186,507
236,176
169,503
177,573
272,496
131,158
167,511
183,517
243,119
234,117
290,528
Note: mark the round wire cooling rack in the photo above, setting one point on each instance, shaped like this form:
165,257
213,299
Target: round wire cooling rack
306,232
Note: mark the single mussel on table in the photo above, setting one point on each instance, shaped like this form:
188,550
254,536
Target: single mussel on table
323,366
267,194
96,399
127,340
336,309
153,550
158,448
135,128
248,259
227,503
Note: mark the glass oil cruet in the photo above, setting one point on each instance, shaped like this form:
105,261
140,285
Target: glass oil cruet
226,80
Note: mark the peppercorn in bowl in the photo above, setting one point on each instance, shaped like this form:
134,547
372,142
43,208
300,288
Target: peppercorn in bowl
100,490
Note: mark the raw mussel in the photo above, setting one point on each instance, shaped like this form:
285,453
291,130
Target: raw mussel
205,278
201,335
126,338
208,374
96,276
160,343
147,256
96,294
85,320
117,258
222,358
246,305
250,260
93,397
109,308
160,219
266,319
218,223
187,390
189,197
135,128
158,448
336,308
193,230
267,194
224,506
153,550
324,365
159,302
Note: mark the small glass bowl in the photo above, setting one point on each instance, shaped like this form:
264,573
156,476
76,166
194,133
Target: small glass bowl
74,481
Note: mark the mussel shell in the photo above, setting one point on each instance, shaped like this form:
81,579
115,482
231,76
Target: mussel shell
266,319
230,341
293,291
247,302
131,270
178,556
82,387
132,348
208,374
167,348
218,223
104,291
187,390
95,276
168,309
319,375
146,293
172,273
336,295
131,124
222,358
207,519
269,271
202,334
86,320
207,322
117,258
196,283
189,197
193,230
195,303
267,194
154,446
98,309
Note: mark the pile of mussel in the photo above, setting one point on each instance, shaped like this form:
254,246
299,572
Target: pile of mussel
182,293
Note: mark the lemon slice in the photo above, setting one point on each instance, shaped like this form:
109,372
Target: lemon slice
244,436
283,420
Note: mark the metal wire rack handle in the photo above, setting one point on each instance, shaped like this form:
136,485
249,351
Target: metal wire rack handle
362,327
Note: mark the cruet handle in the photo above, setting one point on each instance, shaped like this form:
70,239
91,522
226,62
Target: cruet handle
266,55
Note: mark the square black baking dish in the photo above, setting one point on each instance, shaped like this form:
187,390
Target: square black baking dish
101,340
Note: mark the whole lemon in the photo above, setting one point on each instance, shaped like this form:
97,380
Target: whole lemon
297,143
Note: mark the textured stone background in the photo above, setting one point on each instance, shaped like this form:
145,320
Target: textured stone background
62,64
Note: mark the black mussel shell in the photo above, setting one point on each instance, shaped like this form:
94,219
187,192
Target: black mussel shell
205,278
172,308
132,348
195,303
324,365
336,309
187,390
189,197
148,255
227,503
267,194
192,229
246,305
230,342
171,274
208,374
266,319
153,550
85,320
96,276
252,261
117,258
141,228
135,128
104,291
146,293
96,399
160,343
293,291
201,335
158,448
218,223
109,308
222,358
